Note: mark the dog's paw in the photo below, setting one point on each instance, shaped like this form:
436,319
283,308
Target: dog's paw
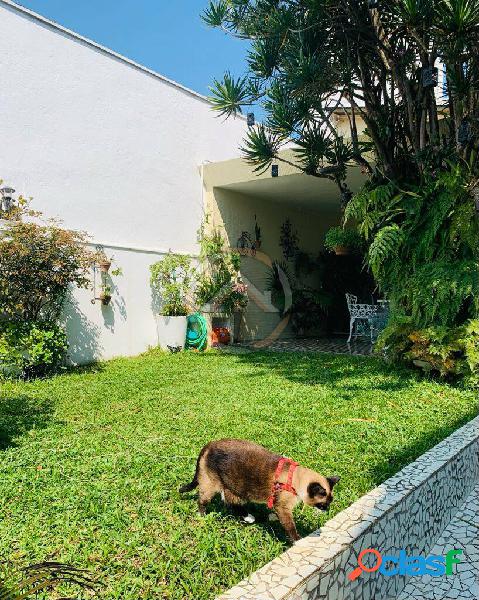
249,519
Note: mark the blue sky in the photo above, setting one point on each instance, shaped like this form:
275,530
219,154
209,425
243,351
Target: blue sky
167,36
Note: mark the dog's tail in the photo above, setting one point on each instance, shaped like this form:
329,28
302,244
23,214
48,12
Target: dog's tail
188,487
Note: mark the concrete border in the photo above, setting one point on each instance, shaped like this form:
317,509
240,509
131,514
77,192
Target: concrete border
409,510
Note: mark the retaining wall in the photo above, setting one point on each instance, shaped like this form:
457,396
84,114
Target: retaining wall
409,511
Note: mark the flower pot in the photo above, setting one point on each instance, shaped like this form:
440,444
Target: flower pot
105,299
341,250
105,266
171,332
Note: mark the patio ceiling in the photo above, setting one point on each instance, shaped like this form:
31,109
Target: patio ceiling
291,187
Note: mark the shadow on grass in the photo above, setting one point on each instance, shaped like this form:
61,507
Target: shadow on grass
19,414
392,463
350,372
93,367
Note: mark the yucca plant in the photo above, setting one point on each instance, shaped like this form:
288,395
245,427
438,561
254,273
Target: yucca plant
379,60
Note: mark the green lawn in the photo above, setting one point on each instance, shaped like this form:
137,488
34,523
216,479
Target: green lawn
91,461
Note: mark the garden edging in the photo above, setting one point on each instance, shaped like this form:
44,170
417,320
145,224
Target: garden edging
408,511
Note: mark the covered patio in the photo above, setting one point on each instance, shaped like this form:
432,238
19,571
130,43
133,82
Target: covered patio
245,206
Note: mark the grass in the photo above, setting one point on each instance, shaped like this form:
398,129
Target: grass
91,461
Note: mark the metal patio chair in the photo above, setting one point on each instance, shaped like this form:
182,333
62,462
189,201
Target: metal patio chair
357,312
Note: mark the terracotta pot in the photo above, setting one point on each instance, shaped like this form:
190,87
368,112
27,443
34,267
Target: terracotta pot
105,266
105,299
341,250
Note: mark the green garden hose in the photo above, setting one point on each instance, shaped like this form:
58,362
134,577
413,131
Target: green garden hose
197,332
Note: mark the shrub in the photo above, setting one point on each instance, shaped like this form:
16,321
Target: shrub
171,277
39,261
38,264
450,352
30,349
424,240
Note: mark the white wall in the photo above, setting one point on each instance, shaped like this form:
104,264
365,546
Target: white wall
109,148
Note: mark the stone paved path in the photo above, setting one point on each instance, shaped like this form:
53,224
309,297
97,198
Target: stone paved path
463,533
334,345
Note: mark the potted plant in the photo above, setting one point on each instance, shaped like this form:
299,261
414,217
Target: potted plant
171,278
342,241
234,298
105,294
104,263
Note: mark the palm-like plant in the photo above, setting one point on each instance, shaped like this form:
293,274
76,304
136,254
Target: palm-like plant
376,59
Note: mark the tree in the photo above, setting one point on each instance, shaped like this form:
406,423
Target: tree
379,59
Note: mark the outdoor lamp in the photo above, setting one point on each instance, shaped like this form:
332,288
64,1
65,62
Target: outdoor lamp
429,77
274,170
464,132
250,119
475,193
7,200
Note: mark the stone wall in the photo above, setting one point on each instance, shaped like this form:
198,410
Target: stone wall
408,511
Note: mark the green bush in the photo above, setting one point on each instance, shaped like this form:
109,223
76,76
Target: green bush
171,277
452,353
29,349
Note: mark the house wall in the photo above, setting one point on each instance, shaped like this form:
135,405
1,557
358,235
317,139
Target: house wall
235,212
109,148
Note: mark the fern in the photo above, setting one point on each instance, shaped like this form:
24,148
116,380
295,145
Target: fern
384,247
424,246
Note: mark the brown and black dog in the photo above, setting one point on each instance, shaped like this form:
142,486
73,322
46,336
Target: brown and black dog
243,471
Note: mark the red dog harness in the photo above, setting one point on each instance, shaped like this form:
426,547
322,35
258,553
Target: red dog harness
278,486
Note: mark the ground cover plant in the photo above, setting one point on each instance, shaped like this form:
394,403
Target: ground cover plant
91,460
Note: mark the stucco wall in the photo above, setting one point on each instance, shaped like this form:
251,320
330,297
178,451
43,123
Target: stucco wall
110,149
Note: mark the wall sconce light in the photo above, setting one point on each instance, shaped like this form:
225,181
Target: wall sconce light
250,119
464,134
6,202
429,77
475,193
274,170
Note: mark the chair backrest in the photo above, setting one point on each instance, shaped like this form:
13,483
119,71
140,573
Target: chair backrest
351,299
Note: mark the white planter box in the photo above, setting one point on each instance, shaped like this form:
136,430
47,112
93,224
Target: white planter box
171,332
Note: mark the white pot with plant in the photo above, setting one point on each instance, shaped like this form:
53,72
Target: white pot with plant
171,279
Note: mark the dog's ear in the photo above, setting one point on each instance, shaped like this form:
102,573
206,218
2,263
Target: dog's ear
316,489
333,480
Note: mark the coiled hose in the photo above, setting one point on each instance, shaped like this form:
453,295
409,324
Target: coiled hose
196,332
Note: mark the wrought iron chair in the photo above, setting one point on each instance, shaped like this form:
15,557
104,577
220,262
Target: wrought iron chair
357,311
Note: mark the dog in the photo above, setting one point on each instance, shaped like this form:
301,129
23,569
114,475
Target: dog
242,471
